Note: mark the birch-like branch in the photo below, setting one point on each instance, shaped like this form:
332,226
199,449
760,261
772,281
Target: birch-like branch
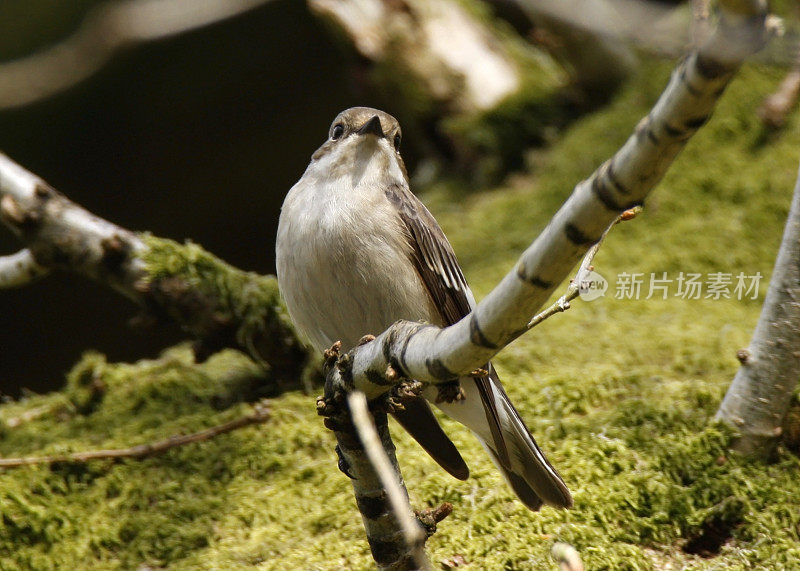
387,534
759,396
219,305
578,282
259,415
19,269
428,353
106,30
364,423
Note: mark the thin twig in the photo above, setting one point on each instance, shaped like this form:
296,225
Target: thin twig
259,415
701,13
567,556
573,290
414,534
19,269
776,107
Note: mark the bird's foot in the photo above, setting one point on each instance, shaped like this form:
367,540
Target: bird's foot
366,339
331,356
450,392
395,399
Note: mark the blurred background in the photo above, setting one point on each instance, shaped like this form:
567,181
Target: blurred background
198,133
197,136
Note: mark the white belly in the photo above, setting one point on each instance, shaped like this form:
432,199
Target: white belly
344,266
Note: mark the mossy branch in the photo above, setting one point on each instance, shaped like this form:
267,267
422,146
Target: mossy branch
219,305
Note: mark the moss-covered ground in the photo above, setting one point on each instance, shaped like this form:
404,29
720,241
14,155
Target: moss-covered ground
620,393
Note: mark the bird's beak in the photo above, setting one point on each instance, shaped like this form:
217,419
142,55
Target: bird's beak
372,126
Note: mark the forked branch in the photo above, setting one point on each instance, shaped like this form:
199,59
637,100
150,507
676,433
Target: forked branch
432,354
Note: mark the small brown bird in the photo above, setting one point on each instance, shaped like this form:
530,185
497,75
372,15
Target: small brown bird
356,251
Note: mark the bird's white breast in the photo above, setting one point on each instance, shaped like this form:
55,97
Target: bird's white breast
343,261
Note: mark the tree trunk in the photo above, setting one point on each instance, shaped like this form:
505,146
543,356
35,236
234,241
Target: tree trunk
759,397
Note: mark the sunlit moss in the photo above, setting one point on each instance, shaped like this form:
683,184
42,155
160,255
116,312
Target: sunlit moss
620,393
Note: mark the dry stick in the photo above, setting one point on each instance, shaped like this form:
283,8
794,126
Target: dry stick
386,537
398,498
776,107
259,415
701,13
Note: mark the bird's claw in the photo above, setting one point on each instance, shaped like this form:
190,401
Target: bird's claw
450,392
402,392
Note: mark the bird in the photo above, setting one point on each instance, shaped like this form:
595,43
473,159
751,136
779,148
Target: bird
356,251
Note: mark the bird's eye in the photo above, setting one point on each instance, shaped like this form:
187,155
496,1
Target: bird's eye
337,131
397,140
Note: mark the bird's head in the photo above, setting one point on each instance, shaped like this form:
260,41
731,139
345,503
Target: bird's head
362,143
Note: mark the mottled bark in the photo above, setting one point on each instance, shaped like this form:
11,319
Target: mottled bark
759,396
386,534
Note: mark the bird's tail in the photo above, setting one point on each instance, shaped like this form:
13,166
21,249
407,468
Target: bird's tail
488,412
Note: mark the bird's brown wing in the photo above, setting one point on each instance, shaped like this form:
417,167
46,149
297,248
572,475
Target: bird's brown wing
436,263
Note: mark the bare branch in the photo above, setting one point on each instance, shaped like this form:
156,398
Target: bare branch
259,415
428,353
105,30
362,419
759,396
19,269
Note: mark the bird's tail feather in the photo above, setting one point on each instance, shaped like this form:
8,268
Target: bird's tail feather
509,442
530,473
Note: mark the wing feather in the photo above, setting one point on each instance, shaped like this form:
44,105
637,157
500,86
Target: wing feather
436,263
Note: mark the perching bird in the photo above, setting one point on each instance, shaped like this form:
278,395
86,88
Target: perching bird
356,251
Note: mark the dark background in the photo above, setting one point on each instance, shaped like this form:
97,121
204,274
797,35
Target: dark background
199,136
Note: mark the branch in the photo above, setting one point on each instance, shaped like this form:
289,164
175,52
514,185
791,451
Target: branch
19,269
428,353
759,396
259,415
106,30
701,14
219,305
574,288
387,536
397,495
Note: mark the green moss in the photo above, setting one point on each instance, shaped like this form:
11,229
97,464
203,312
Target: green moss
620,393
250,299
